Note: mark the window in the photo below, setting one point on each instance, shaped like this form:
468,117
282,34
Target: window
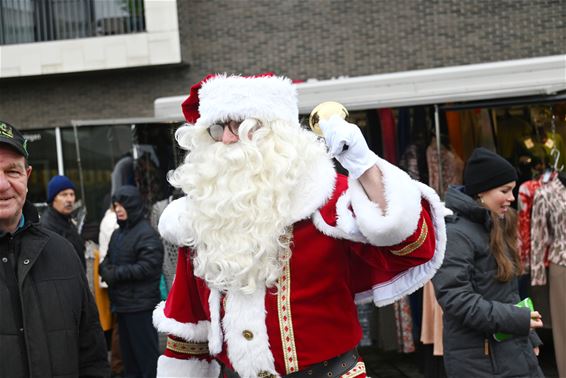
25,21
100,147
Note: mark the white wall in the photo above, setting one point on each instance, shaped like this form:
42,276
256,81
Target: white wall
158,45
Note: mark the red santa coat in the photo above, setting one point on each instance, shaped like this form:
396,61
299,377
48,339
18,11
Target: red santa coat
346,252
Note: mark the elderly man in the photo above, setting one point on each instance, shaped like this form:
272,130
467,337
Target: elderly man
276,247
49,323
58,216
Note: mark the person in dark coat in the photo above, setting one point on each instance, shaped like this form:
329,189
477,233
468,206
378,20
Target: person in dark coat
57,217
132,270
49,323
477,284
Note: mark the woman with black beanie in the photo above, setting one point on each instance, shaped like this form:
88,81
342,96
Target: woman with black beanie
485,333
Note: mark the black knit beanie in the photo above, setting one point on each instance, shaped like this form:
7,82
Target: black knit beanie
486,170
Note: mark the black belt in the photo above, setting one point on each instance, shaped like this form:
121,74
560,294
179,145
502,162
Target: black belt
333,368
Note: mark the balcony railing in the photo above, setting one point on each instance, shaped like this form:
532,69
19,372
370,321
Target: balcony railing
27,21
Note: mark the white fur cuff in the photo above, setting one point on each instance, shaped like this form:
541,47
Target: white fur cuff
412,279
189,331
403,211
169,222
168,367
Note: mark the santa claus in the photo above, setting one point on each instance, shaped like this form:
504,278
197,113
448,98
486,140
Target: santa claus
277,248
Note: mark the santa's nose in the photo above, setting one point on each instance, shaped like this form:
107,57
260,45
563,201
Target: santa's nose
229,137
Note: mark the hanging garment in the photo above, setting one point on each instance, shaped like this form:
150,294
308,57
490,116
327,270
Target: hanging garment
384,329
452,168
431,329
170,249
468,122
403,130
408,162
365,312
404,323
455,132
413,161
486,133
387,121
547,230
527,192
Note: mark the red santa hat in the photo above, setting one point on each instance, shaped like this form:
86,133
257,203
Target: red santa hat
222,97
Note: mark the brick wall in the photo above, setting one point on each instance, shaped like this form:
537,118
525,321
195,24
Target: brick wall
301,39
322,39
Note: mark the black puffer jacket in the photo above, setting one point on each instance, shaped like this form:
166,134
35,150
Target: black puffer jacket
48,319
476,305
132,267
62,225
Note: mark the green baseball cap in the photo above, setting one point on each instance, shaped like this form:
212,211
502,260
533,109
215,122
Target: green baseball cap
10,135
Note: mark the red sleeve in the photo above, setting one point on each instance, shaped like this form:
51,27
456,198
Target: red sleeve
373,265
184,317
184,302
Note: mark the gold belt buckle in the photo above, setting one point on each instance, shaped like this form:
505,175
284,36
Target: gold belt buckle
266,374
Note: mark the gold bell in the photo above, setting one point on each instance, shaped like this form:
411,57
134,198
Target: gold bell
325,110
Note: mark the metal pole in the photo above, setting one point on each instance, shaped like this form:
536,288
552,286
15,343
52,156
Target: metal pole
59,145
2,23
438,150
80,168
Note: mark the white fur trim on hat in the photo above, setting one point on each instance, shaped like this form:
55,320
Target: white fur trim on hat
168,367
267,98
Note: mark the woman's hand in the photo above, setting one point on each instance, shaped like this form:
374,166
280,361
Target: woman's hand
536,320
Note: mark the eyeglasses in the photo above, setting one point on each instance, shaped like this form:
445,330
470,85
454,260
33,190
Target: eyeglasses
217,130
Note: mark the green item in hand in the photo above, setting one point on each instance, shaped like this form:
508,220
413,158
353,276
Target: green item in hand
527,302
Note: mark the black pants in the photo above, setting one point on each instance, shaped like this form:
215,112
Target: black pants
139,344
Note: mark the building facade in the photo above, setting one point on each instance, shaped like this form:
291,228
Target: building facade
85,94
300,39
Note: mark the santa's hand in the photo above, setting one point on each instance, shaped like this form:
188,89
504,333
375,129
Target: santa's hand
347,144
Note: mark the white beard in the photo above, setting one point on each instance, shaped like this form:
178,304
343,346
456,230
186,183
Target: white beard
239,201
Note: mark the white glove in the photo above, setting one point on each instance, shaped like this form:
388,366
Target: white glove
357,157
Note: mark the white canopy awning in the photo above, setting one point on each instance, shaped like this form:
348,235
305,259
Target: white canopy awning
486,81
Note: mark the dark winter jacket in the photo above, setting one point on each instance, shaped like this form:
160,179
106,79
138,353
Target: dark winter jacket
62,225
476,305
132,268
49,323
